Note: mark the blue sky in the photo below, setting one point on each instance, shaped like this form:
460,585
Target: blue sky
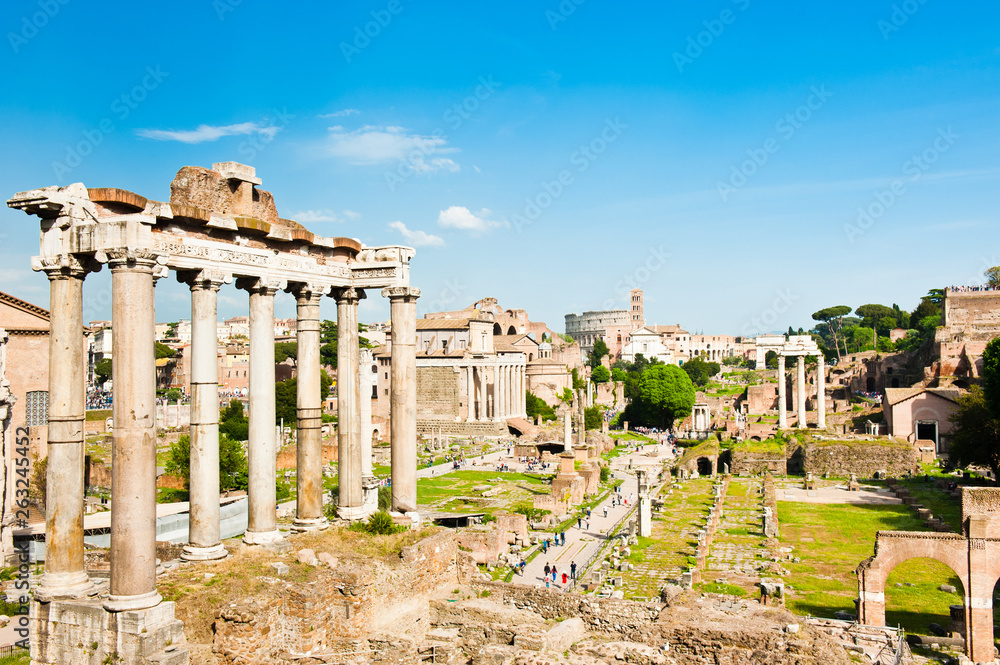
745,163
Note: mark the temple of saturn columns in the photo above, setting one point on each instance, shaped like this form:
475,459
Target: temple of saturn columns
799,347
218,226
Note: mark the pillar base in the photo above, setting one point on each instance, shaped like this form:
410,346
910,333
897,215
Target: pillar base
143,601
57,586
318,524
369,493
351,513
409,519
196,553
262,537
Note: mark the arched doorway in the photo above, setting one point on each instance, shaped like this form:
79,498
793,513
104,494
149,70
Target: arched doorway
705,466
497,330
511,330
870,384
895,382
918,597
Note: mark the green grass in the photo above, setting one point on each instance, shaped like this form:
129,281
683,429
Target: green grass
842,536
19,657
768,446
98,414
937,501
453,492
722,588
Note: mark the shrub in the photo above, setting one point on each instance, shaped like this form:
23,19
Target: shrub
381,523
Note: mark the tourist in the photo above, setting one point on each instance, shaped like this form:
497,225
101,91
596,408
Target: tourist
548,569
545,546
564,580
554,573
523,564
605,511
572,569
579,522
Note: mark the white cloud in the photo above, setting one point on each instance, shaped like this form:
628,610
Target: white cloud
417,238
340,114
460,217
209,132
324,215
373,144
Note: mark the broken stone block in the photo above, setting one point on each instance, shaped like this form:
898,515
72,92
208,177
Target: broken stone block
280,569
947,588
307,557
328,559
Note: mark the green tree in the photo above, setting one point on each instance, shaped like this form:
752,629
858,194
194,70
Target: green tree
975,438
991,377
328,342
285,350
578,383
600,350
164,351
592,417
993,277
102,369
232,462
930,305
771,361
600,374
233,422
618,374
566,397
666,394
834,318
535,406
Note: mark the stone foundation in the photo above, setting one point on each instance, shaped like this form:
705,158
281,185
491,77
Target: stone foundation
452,428
82,632
860,458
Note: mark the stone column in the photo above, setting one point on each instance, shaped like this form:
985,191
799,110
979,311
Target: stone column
470,397
65,572
204,535
133,440
800,390
501,391
369,483
348,405
309,410
474,398
522,393
262,528
782,397
403,396
567,432
820,392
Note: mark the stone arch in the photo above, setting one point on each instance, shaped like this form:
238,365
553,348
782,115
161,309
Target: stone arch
870,384
893,548
706,467
497,330
512,330
895,382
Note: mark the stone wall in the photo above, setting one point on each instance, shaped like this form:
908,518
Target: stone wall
451,428
344,603
745,462
762,398
437,388
859,457
624,618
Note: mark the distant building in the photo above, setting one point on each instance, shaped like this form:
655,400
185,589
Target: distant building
921,414
589,327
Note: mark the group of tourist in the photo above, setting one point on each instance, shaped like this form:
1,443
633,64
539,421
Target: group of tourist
969,289
551,571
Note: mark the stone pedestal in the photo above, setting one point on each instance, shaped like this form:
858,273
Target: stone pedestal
81,631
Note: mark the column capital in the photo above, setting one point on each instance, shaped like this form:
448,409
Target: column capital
401,292
308,293
130,258
65,266
267,286
204,279
348,296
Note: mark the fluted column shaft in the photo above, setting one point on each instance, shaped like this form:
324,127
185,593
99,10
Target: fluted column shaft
204,541
262,451
782,397
403,397
309,410
348,406
501,392
133,440
65,571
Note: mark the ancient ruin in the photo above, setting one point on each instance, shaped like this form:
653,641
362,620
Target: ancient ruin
218,226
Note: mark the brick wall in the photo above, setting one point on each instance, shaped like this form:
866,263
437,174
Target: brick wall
437,388
863,459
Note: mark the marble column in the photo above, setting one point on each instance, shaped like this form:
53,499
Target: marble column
204,535
800,390
369,482
403,397
501,390
470,395
133,440
782,397
308,410
65,572
262,528
522,392
820,392
567,432
348,405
